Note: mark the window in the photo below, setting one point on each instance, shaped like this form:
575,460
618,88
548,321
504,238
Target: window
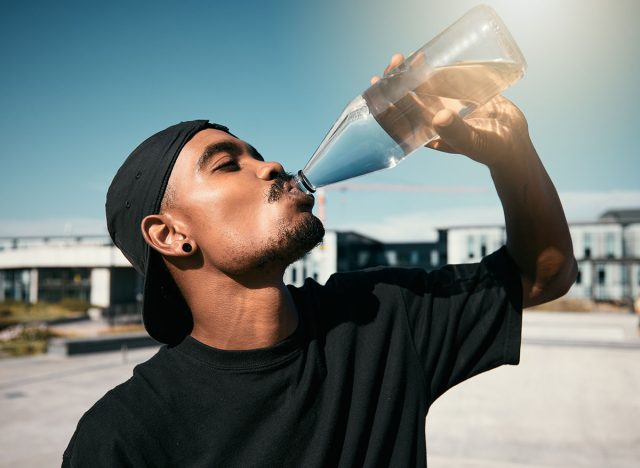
56,284
435,256
470,246
601,275
294,275
483,246
579,277
587,245
414,258
611,245
392,257
624,275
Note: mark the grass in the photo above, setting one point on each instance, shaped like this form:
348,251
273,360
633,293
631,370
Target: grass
13,312
30,334
31,340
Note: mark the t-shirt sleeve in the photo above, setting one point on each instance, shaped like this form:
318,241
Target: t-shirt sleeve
465,319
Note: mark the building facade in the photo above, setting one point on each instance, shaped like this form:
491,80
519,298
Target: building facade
92,269
607,252
84,268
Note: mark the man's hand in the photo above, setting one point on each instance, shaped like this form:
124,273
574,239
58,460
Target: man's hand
494,133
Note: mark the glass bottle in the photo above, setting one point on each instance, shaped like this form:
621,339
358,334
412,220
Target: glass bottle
462,68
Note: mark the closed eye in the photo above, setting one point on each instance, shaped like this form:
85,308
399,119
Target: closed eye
228,166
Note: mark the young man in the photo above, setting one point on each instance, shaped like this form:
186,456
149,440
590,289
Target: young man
256,373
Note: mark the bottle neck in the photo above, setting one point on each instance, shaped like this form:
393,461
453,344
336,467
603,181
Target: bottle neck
303,183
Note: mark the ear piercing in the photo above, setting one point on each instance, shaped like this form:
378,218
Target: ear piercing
187,247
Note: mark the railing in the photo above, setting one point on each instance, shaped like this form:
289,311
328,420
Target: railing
22,242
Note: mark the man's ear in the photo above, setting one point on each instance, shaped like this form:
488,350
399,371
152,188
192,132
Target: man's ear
165,236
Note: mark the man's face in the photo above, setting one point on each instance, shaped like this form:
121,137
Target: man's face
242,212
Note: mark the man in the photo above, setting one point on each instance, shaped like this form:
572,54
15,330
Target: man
256,373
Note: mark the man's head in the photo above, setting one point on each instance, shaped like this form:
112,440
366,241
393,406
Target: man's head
237,214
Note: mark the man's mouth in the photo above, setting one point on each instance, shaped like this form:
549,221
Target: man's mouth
302,199
283,185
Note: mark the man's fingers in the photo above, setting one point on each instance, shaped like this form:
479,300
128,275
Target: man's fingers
396,60
457,134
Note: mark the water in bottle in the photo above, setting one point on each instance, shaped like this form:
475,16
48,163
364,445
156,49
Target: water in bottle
380,127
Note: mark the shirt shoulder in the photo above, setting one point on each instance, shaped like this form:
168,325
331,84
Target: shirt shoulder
116,427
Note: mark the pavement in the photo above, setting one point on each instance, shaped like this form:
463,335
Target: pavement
574,400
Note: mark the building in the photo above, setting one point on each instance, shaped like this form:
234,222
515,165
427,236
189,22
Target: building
85,268
92,269
607,251
349,251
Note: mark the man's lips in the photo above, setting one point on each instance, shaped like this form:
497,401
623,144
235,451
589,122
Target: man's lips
300,197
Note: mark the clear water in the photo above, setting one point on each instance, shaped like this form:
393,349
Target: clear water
393,117
356,145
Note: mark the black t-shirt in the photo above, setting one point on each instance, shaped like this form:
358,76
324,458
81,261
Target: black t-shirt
351,387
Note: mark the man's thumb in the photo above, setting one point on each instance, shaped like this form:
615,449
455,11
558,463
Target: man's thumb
454,131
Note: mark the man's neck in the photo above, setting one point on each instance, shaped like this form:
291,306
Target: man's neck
233,315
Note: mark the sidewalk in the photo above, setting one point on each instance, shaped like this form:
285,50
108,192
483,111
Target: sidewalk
574,401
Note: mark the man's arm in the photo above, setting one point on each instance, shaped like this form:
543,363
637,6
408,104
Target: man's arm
538,237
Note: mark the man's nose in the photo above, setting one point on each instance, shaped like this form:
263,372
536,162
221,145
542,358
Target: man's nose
269,170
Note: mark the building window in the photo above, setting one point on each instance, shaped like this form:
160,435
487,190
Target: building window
56,284
294,275
483,246
414,258
601,275
579,277
16,284
470,246
611,245
434,258
392,257
587,245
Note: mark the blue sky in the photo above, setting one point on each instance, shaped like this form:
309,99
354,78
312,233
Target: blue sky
82,83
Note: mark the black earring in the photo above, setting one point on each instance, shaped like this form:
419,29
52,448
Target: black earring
186,247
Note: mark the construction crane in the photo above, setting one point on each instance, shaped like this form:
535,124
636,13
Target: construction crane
385,187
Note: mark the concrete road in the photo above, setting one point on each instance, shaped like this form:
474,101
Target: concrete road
574,401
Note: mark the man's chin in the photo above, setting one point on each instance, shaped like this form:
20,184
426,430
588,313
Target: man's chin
293,242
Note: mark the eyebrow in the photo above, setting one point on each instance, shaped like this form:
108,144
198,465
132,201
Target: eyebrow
230,147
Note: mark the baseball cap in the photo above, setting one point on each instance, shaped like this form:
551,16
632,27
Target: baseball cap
136,192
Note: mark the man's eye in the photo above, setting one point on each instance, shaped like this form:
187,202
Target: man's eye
228,166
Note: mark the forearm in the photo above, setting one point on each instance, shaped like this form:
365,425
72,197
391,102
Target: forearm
538,236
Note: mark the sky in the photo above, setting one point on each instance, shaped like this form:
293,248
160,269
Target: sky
83,83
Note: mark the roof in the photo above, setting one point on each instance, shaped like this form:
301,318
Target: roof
622,216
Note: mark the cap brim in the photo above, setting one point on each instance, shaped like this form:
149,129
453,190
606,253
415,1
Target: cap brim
167,317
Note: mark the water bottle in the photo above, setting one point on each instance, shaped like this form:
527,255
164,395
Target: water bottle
462,68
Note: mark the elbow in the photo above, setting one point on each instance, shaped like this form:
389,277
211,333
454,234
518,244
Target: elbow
552,282
566,277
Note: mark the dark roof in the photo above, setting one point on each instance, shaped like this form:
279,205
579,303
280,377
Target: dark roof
622,216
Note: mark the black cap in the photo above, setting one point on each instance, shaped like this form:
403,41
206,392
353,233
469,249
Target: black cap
136,192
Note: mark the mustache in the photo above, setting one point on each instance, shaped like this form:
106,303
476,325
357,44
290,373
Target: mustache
277,189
